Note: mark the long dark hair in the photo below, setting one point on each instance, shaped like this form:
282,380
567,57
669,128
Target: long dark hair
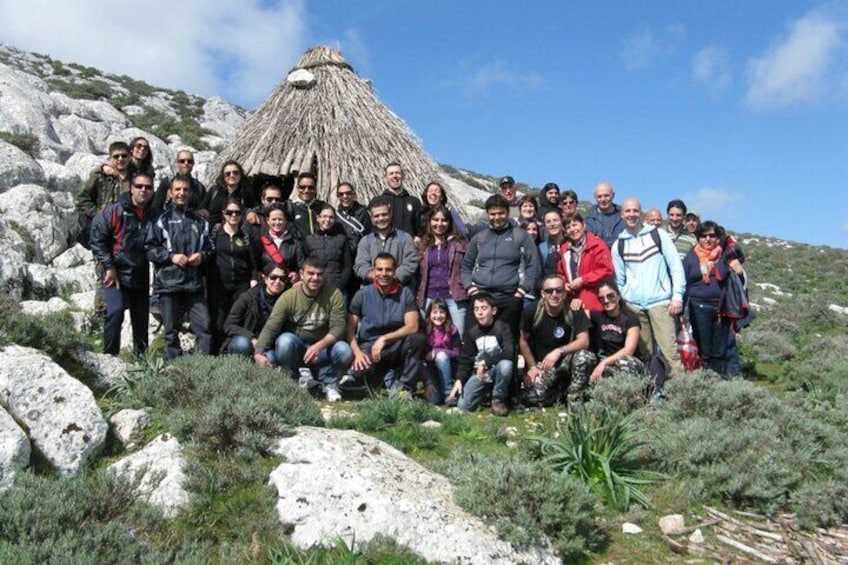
146,164
443,199
441,304
242,180
429,239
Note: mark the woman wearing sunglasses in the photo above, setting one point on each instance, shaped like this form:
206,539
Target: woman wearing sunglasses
615,334
230,184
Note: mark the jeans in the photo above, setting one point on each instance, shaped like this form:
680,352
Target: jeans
331,363
458,310
241,345
440,373
173,307
711,334
475,391
117,300
406,355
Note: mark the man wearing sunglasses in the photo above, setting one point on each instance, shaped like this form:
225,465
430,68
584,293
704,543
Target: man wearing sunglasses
102,189
185,166
305,206
554,342
117,242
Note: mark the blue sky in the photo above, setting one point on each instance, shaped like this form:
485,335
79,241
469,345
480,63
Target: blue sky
740,108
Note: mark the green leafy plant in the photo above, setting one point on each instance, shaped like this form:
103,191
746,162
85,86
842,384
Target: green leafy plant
601,449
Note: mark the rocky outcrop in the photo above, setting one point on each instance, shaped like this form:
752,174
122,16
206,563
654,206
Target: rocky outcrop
59,412
46,217
128,423
160,465
343,484
16,167
14,450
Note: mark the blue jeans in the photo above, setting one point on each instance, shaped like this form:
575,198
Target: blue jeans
476,391
331,364
458,310
440,372
241,345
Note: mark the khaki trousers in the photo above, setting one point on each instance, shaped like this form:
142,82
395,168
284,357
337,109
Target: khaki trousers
658,326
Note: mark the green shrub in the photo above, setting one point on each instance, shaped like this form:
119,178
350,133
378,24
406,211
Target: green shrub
603,450
88,89
91,518
624,393
526,502
224,403
26,142
821,367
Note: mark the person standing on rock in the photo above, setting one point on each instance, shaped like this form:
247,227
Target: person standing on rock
117,242
178,244
102,189
185,166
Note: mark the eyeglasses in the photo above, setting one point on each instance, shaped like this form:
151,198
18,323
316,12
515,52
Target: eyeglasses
307,187
141,146
607,297
119,156
564,202
186,162
232,212
557,290
231,173
275,278
709,235
345,193
143,186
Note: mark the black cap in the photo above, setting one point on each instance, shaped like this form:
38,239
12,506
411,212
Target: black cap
507,180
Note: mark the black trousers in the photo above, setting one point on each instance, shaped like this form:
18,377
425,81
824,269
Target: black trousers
173,307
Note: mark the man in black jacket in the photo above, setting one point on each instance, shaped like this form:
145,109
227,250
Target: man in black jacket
117,242
406,208
185,165
178,245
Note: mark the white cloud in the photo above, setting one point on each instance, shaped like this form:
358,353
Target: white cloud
478,81
803,67
355,51
646,46
237,49
711,68
716,204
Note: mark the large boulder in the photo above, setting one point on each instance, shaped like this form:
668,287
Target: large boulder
12,260
108,370
63,420
45,217
26,107
40,308
161,464
16,167
14,450
343,484
59,178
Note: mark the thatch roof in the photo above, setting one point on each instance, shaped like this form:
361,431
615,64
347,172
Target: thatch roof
326,119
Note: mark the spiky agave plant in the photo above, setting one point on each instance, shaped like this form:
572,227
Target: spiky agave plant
601,448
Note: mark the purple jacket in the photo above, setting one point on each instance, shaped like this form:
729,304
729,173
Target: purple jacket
449,342
456,249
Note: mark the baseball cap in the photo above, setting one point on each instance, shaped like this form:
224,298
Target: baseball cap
507,180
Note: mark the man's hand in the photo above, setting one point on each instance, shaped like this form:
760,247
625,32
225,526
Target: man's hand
456,391
312,353
675,308
576,284
180,260
361,362
252,218
194,259
532,375
576,304
377,349
110,277
261,360
551,359
597,373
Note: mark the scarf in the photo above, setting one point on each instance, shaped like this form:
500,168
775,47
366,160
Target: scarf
707,259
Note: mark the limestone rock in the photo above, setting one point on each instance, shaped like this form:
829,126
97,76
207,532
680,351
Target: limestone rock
343,484
12,260
697,537
45,218
630,528
81,278
672,524
83,164
73,257
39,308
127,423
431,424
83,300
221,117
14,450
161,464
26,106
59,178
108,370
81,134
65,425
42,280
16,167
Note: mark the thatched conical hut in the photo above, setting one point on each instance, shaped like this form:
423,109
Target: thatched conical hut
325,119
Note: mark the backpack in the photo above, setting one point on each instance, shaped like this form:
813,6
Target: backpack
655,235
567,318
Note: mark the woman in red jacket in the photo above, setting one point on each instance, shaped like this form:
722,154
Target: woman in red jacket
584,261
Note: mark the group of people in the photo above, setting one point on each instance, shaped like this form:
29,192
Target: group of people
401,292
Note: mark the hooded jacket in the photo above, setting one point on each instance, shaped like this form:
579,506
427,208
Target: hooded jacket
305,215
117,241
332,247
397,243
502,262
406,211
356,223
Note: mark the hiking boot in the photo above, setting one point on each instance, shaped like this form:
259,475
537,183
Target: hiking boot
331,391
499,407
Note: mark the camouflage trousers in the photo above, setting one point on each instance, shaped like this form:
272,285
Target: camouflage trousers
627,364
567,381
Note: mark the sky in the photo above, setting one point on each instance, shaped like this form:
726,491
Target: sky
739,108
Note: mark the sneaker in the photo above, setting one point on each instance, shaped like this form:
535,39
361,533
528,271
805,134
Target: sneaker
331,391
305,379
499,407
451,402
347,380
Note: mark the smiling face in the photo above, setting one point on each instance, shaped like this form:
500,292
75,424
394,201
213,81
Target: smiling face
433,194
439,224
552,196
306,189
185,162
553,224
394,177
232,214
609,299
604,195
120,160
568,205
508,191
140,149
275,282
653,217
576,230
277,221
384,272
553,292
438,316
326,219
631,213
232,176
498,217
180,192
532,228
141,191
708,238
313,279
527,210
381,218
675,218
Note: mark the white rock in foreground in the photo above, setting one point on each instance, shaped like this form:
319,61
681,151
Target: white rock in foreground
343,484
127,423
672,524
108,370
161,463
65,425
14,450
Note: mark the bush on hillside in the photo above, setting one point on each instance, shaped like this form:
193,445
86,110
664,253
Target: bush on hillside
54,334
821,367
526,503
26,142
624,393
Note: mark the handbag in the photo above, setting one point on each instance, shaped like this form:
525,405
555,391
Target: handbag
687,347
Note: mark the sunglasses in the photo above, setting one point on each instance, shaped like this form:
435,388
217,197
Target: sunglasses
185,161
141,146
143,186
607,297
308,187
558,290
231,173
232,212
275,278
345,193
568,202
119,156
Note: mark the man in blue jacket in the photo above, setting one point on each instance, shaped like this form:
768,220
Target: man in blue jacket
649,273
178,245
117,242
604,218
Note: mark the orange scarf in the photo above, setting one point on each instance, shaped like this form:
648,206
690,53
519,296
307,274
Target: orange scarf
707,258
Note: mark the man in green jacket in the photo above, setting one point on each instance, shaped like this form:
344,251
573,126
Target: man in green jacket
101,189
306,329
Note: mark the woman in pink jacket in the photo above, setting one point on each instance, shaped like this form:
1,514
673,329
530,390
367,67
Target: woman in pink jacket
584,261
